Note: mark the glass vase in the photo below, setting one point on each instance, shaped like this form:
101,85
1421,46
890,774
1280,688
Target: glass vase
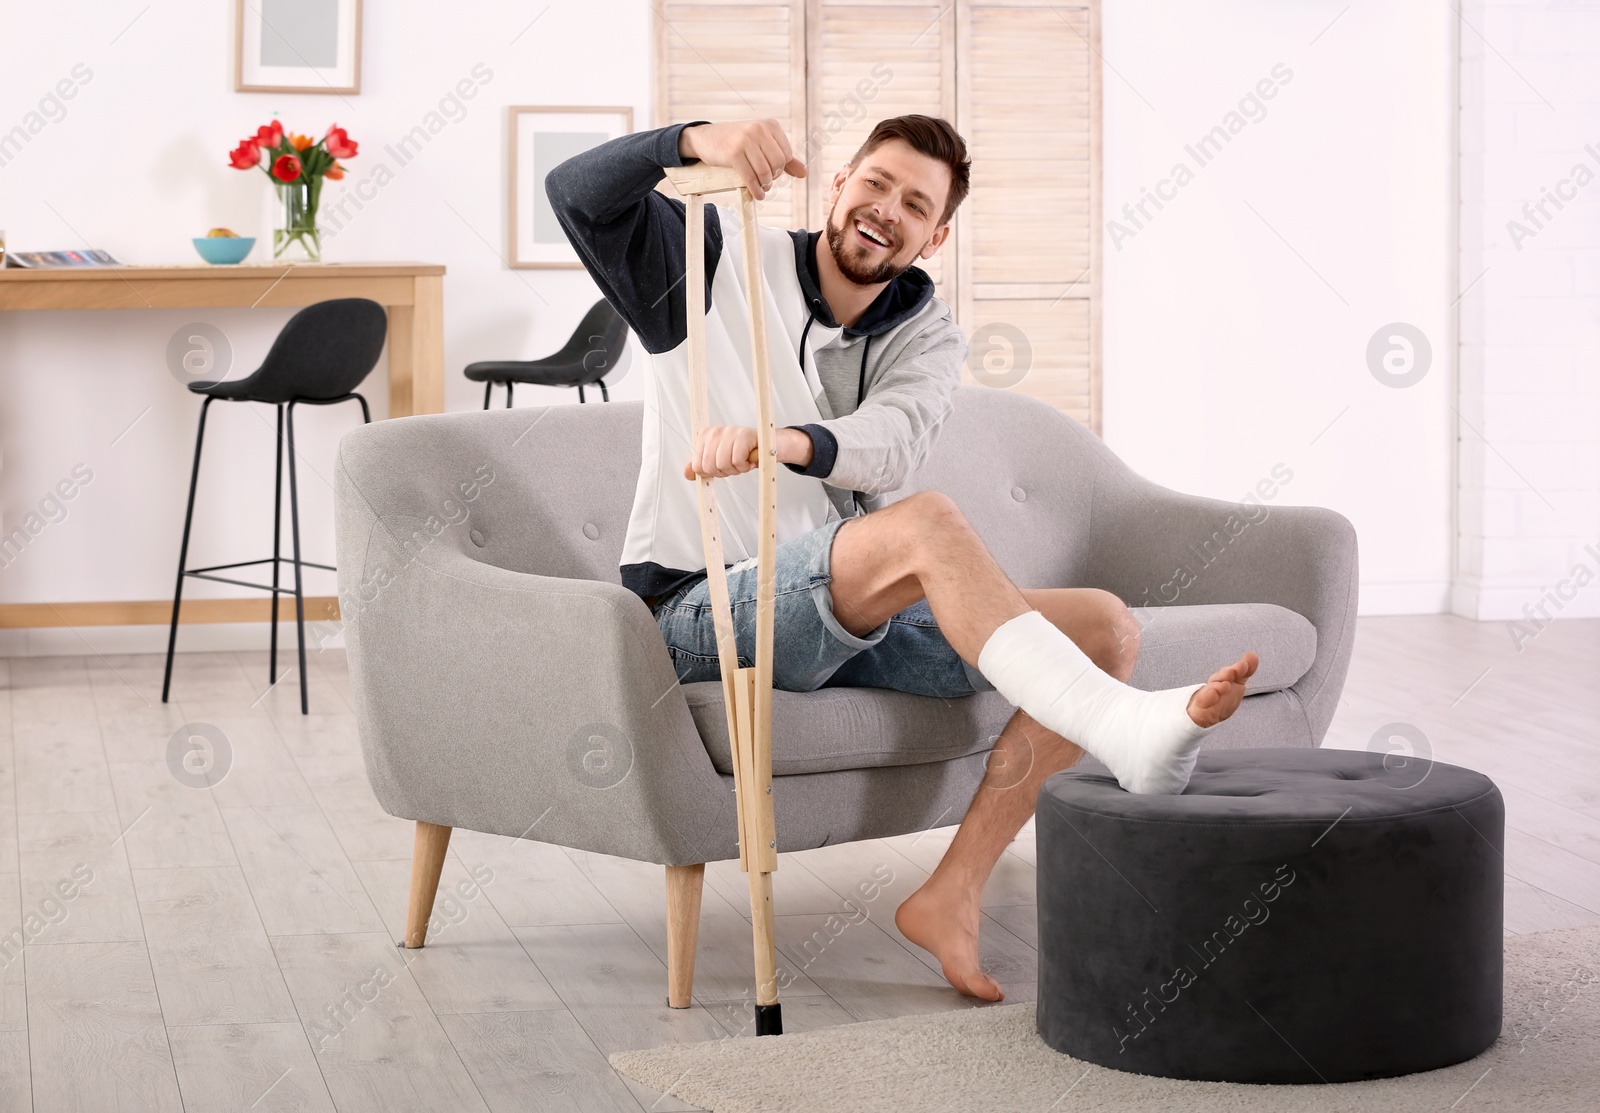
295,237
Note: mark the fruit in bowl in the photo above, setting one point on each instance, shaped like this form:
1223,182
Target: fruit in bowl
222,246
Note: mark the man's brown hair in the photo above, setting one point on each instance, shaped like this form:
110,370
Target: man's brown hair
931,136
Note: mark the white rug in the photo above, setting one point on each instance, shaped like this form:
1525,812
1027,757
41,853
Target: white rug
1547,1060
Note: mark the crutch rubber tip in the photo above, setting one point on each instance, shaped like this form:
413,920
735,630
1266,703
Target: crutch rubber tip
769,1019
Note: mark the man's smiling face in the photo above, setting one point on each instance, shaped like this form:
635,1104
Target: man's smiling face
886,213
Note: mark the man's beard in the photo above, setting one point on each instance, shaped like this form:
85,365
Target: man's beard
850,267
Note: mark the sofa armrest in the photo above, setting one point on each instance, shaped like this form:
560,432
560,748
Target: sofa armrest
519,704
1156,547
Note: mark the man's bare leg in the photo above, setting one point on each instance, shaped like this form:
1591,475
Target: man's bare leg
922,547
942,916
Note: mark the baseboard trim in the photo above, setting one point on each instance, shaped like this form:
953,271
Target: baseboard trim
1509,602
158,612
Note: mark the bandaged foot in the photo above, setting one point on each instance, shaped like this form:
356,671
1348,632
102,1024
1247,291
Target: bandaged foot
1149,740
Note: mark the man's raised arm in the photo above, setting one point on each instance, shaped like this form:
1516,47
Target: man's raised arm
629,236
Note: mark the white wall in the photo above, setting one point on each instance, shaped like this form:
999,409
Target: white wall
138,164
1237,320
1530,341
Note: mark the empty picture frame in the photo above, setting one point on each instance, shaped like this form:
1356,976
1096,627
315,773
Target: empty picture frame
540,139
297,46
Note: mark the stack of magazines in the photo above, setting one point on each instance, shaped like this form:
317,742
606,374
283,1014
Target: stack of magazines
41,259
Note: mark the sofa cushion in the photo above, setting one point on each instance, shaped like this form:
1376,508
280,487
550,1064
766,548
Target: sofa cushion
854,728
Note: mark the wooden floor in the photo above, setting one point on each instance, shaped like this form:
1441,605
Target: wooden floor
234,949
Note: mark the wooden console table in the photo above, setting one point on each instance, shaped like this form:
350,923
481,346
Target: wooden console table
412,293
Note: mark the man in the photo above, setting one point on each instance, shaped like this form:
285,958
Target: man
869,593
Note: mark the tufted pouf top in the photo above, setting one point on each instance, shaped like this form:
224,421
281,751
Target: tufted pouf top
1293,916
1290,784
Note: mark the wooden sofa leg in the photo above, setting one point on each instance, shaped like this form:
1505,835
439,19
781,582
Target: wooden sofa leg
684,885
427,863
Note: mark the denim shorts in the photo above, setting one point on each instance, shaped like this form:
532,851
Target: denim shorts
811,650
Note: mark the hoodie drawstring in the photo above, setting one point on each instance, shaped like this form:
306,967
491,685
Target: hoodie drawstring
861,393
861,384
810,317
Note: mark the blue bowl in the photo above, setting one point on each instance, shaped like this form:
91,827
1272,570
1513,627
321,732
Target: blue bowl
224,249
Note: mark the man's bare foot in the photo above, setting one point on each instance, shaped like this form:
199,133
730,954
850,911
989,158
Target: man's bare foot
1223,692
947,928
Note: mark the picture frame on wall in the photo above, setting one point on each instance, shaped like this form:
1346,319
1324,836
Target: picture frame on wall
540,138
297,46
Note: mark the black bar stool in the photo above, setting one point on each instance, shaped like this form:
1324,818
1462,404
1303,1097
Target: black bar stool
319,358
595,349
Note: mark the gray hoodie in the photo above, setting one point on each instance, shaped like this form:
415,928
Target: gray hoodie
871,396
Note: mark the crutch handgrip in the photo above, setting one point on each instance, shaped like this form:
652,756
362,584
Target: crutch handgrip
698,178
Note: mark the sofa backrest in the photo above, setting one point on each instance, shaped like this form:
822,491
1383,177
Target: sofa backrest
1025,475
549,490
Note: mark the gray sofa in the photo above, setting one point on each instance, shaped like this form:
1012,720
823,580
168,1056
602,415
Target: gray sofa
506,682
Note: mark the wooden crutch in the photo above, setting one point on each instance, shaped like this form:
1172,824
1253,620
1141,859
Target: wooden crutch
746,693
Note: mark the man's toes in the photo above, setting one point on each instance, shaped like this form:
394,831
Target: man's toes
1238,672
978,984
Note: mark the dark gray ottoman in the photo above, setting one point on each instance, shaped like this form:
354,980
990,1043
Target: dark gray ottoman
1294,916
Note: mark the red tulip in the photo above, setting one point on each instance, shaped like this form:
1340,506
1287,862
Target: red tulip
270,135
286,168
339,144
246,156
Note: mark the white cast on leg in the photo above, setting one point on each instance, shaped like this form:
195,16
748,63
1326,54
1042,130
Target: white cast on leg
1146,739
